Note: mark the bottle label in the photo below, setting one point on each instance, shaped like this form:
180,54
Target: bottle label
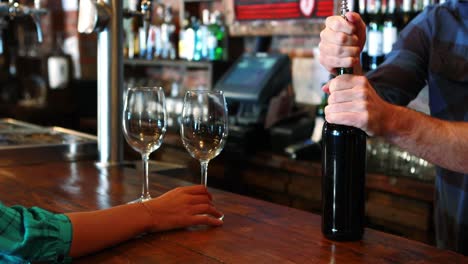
375,43
189,46
58,69
317,133
390,36
406,6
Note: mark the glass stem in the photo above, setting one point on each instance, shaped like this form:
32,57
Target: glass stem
145,189
204,172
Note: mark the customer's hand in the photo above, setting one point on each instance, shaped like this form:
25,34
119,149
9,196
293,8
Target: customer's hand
183,207
342,41
354,102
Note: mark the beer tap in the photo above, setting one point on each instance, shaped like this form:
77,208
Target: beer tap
106,18
14,10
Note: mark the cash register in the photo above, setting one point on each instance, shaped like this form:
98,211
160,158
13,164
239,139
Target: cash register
253,88
251,82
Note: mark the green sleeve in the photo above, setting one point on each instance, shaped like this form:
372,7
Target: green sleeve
33,234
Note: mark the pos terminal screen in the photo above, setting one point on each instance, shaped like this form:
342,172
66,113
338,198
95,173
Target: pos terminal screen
255,77
250,71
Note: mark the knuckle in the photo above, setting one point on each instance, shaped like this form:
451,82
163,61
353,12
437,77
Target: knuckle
205,207
361,80
323,60
320,46
341,38
340,50
322,34
355,51
364,119
330,118
332,86
367,107
362,93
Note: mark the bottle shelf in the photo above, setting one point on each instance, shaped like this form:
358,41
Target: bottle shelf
276,27
169,63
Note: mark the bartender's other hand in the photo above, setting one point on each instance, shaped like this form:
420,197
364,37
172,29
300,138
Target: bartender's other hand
354,102
342,41
183,207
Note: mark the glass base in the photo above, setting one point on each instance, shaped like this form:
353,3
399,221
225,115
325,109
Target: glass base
203,227
141,199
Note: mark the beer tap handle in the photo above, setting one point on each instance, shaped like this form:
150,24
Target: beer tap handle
37,22
93,16
35,14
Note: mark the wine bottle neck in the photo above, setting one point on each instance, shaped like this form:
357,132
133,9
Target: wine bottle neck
341,71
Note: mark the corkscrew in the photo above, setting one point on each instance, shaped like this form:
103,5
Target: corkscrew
344,8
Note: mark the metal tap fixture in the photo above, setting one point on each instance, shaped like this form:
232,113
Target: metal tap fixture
13,9
106,17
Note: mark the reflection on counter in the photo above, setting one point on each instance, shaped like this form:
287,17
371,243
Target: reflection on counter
24,143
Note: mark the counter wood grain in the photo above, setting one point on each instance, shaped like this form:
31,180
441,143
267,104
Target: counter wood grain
254,231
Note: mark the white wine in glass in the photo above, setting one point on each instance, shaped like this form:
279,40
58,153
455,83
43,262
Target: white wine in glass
204,126
144,125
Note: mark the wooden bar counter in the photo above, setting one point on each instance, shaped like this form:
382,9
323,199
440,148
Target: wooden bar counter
254,231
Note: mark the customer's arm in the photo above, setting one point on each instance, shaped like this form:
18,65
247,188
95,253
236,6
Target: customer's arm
178,208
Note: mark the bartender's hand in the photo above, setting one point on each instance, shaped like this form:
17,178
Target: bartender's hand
183,207
354,102
341,42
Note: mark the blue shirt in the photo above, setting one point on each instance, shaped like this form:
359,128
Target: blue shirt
433,50
33,234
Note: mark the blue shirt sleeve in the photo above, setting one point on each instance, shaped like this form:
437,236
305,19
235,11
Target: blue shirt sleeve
33,234
405,70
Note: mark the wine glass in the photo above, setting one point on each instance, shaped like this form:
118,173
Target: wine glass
204,126
144,125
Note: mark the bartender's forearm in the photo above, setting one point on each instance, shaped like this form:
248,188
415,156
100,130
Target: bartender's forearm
96,230
443,143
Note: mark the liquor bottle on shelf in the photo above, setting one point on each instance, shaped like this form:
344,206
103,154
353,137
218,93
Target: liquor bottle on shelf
182,45
204,34
375,34
343,178
361,8
407,13
167,35
390,27
418,6
197,40
59,65
158,22
319,119
132,45
188,39
218,29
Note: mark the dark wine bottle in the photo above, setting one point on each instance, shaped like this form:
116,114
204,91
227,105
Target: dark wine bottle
343,180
